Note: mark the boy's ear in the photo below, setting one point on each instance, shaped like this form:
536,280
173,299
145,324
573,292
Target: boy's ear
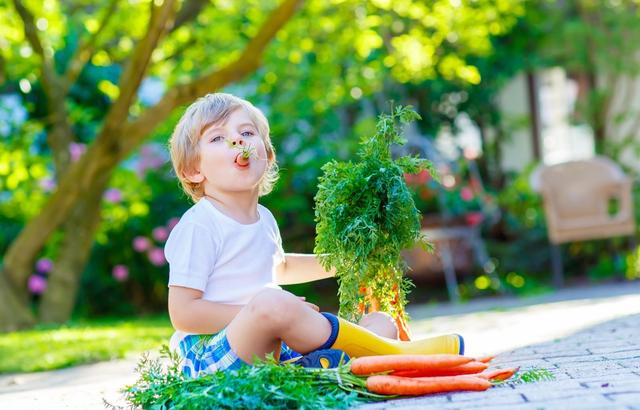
194,176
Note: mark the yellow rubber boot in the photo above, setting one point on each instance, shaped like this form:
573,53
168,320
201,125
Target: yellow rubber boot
357,341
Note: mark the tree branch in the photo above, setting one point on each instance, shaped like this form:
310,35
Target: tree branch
245,64
61,133
159,22
188,12
85,50
49,77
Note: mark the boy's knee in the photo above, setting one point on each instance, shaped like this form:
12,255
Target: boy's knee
274,307
381,324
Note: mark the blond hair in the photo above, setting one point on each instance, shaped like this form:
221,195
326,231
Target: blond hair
211,109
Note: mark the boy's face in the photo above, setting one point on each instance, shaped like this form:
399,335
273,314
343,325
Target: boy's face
218,169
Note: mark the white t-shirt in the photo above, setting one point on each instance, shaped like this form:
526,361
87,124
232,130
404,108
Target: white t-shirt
228,261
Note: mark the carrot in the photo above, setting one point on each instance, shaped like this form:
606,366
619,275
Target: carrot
375,364
467,368
242,159
403,330
485,359
498,374
385,384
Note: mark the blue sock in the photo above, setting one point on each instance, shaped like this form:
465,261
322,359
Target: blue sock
335,325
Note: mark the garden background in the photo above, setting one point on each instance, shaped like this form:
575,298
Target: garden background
90,92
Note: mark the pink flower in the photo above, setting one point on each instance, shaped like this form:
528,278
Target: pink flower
171,223
417,179
466,194
156,257
76,150
37,284
120,273
471,153
47,184
423,176
160,233
113,195
474,218
152,156
408,178
141,243
44,265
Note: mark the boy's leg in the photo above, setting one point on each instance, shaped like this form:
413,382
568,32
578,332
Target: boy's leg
381,324
274,315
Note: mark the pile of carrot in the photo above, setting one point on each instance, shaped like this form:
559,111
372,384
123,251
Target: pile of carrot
415,375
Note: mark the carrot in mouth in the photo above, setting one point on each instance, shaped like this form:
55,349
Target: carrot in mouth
242,159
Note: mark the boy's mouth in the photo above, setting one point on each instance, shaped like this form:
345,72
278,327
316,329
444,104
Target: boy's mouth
241,161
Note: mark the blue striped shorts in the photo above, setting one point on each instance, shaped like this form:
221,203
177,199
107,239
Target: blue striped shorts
203,354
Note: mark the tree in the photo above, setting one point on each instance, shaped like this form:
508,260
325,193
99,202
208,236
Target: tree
75,205
331,52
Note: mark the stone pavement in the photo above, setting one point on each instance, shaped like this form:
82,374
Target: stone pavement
597,368
588,338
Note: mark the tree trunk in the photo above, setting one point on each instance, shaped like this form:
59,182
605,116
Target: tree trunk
59,299
81,176
14,312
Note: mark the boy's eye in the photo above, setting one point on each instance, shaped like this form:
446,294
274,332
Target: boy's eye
217,138
247,132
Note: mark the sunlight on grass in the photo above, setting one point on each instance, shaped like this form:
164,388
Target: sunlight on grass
48,348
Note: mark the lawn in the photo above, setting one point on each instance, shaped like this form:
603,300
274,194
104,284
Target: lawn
79,342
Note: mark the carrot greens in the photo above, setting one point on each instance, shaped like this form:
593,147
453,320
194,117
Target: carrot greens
365,216
265,385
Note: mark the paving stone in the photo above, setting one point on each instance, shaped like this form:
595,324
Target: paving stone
627,354
486,398
549,384
563,351
617,386
625,398
436,400
591,372
574,359
597,402
537,395
528,364
630,364
609,348
609,378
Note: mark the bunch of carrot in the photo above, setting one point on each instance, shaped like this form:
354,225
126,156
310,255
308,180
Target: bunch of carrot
415,375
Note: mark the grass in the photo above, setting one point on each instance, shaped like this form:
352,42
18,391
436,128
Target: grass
80,342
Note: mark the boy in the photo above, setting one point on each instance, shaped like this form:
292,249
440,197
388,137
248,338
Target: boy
226,259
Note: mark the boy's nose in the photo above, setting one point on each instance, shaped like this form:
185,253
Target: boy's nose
237,141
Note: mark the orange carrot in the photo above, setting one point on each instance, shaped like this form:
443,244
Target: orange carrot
375,364
498,374
467,368
242,160
485,359
403,330
404,386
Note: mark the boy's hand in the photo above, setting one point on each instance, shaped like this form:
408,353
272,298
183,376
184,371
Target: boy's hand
311,305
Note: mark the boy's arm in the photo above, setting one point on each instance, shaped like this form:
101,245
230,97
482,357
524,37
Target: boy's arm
301,268
190,313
